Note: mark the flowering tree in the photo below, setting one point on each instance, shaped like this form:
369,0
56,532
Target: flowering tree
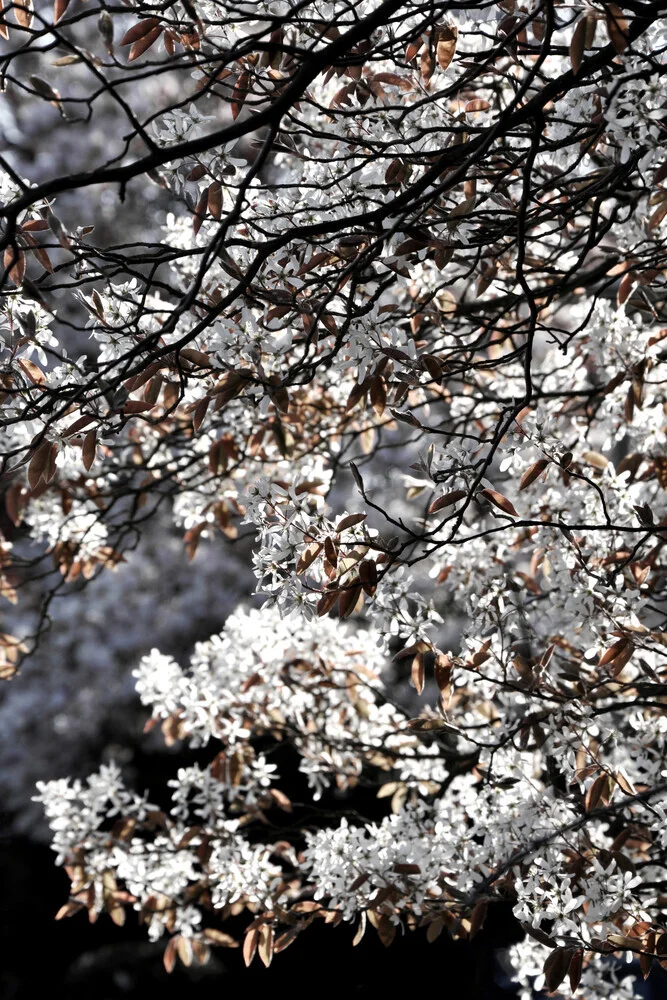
405,322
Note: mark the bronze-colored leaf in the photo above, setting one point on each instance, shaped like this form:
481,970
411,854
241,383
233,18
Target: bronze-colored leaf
23,12
169,957
250,945
240,92
617,27
576,964
499,501
142,44
578,45
598,792
200,211
139,30
657,216
220,938
214,199
417,673
59,8
39,252
14,264
89,449
349,521
446,46
555,968
378,395
533,473
446,500
348,600
265,944
200,412
39,464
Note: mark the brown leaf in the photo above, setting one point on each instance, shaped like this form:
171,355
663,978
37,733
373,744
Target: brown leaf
250,945
578,45
13,503
533,473
368,576
281,800
417,673
595,459
347,601
498,500
613,651
200,412
657,216
200,211
169,957
139,30
446,46
142,44
378,395
240,92
214,200
598,792
617,27
23,12
360,930
386,930
349,521
446,500
265,946
39,464
89,449
443,671
220,938
39,252
575,969
427,65
59,8
33,372
555,968
14,262
137,406
286,939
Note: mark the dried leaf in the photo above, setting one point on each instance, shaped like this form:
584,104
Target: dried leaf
617,27
265,945
142,44
578,45
23,12
575,969
240,92
59,8
533,473
250,945
498,500
446,500
139,30
417,673
39,464
555,968
446,46
89,449
14,264
349,521
214,200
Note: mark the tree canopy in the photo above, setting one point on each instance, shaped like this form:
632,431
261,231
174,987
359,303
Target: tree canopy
403,326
